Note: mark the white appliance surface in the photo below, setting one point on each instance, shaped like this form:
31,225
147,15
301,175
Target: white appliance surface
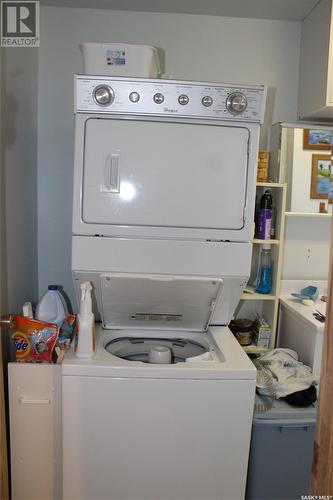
165,159
134,430
94,257
163,207
298,328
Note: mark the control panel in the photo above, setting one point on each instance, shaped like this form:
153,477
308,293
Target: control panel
169,98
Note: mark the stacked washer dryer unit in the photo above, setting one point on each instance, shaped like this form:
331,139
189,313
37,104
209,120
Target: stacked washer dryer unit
164,188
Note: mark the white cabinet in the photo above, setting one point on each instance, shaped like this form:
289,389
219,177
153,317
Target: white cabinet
316,63
253,303
35,430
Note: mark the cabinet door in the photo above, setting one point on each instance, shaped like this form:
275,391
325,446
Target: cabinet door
315,81
35,430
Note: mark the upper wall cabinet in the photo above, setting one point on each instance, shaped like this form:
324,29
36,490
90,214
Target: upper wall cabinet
316,63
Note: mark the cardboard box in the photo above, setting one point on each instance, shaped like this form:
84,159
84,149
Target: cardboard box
262,332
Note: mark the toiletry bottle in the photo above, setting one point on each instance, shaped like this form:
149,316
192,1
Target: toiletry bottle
51,307
273,221
265,270
265,216
86,324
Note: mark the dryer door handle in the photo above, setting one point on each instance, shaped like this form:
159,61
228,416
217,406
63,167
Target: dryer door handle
111,177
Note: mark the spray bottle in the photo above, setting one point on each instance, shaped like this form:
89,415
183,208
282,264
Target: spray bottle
265,270
86,324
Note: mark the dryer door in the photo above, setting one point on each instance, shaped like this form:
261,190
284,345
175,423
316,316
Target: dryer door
162,174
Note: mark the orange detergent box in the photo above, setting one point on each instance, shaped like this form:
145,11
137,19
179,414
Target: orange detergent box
33,341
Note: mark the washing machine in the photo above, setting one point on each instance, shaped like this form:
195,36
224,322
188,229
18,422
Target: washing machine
164,187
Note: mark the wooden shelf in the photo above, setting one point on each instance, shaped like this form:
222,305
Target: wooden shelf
257,296
257,241
270,184
253,349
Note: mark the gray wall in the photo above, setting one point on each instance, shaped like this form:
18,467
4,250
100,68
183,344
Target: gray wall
19,116
196,47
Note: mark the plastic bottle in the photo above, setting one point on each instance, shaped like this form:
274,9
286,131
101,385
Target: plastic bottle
86,324
51,307
265,270
273,222
265,216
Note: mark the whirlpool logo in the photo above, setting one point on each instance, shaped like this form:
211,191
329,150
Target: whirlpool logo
20,24
170,110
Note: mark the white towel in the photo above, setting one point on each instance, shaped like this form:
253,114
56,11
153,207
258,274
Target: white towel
288,375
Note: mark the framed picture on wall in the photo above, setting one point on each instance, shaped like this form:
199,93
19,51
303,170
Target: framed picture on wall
318,139
320,176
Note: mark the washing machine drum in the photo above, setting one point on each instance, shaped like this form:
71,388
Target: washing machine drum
155,350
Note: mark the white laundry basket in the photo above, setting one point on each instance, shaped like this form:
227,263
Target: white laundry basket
120,59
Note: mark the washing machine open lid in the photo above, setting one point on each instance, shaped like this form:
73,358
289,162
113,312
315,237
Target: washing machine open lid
162,302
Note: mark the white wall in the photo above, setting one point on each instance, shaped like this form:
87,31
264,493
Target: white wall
307,247
20,140
196,47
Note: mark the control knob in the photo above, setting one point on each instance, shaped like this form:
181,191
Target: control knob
183,99
103,95
236,103
158,98
134,97
207,101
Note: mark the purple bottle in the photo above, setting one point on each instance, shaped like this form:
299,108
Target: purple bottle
265,216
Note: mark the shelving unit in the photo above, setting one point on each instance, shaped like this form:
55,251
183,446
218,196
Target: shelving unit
253,303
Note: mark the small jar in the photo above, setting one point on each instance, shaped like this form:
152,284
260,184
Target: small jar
242,329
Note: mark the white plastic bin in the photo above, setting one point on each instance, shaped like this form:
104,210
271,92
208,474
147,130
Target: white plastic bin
120,59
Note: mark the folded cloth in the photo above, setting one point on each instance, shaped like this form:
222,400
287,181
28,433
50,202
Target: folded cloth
285,373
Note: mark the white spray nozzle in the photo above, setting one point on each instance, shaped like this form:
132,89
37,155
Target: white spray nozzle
27,310
85,288
85,304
